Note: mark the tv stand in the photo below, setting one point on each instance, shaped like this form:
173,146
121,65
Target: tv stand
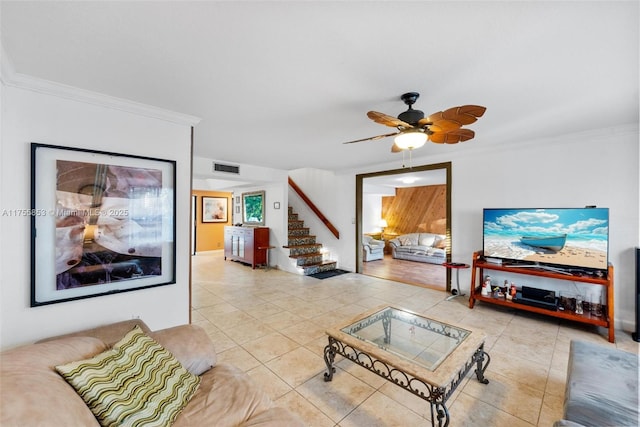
606,320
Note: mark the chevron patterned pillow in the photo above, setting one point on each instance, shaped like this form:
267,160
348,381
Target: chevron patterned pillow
135,383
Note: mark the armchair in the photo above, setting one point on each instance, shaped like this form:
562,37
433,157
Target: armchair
372,249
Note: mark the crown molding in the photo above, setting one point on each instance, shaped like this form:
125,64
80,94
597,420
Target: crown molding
9,77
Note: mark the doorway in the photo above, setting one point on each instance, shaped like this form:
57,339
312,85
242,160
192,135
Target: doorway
425,175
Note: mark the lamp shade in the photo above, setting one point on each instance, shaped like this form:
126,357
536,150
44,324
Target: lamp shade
383,223
410,139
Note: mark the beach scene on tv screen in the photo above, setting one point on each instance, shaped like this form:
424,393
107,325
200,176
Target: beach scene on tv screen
567,237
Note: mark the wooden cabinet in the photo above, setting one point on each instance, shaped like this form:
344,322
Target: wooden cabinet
605,320
244,244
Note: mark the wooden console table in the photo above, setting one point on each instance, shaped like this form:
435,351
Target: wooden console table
246,244
605,320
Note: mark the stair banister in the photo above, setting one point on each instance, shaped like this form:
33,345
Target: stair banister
315,210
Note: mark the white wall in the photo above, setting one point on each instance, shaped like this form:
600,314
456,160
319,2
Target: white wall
68,120
593,168
372,205
371,212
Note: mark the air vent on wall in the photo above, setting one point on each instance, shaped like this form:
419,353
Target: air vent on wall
219,167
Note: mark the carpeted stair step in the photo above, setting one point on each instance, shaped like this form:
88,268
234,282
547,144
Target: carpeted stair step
318,267
307,259
304,249
304,231
301,240
293,224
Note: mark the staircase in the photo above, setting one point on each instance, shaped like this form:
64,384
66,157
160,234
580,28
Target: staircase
304,249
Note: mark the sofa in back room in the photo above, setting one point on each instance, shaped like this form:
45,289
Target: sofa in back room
420,247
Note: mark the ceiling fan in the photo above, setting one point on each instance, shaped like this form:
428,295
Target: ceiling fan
414,129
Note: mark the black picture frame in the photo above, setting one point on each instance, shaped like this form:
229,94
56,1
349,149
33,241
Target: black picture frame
101,223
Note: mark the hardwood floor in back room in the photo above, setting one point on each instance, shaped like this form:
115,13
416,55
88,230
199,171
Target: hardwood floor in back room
415,273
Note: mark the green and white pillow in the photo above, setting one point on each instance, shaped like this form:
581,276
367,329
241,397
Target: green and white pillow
136,383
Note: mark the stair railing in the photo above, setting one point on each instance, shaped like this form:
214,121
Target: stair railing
315,210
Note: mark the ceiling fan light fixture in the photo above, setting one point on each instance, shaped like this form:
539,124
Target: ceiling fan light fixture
411,139
408,180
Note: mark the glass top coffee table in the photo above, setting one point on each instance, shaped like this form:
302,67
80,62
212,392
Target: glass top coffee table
425,356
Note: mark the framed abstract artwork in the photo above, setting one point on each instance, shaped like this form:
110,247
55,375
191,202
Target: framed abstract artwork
214,209
101,223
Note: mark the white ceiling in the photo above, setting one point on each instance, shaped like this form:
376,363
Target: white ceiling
283,83
387,184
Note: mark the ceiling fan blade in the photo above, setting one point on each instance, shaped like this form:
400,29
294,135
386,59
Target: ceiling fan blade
462,115
444,125
474,111
373,138
387,120
395,148
452,137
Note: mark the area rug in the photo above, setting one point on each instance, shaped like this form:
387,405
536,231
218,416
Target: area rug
327,274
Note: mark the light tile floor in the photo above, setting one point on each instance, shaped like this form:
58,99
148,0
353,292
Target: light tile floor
271,324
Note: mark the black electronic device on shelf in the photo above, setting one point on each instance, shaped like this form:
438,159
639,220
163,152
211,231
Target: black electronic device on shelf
535,297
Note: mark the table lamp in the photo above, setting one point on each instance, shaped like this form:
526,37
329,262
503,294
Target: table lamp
382,224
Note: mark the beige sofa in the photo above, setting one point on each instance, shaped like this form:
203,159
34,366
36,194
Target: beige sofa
421,247
32,393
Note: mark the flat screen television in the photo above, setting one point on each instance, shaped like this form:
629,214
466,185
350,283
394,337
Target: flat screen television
564,238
